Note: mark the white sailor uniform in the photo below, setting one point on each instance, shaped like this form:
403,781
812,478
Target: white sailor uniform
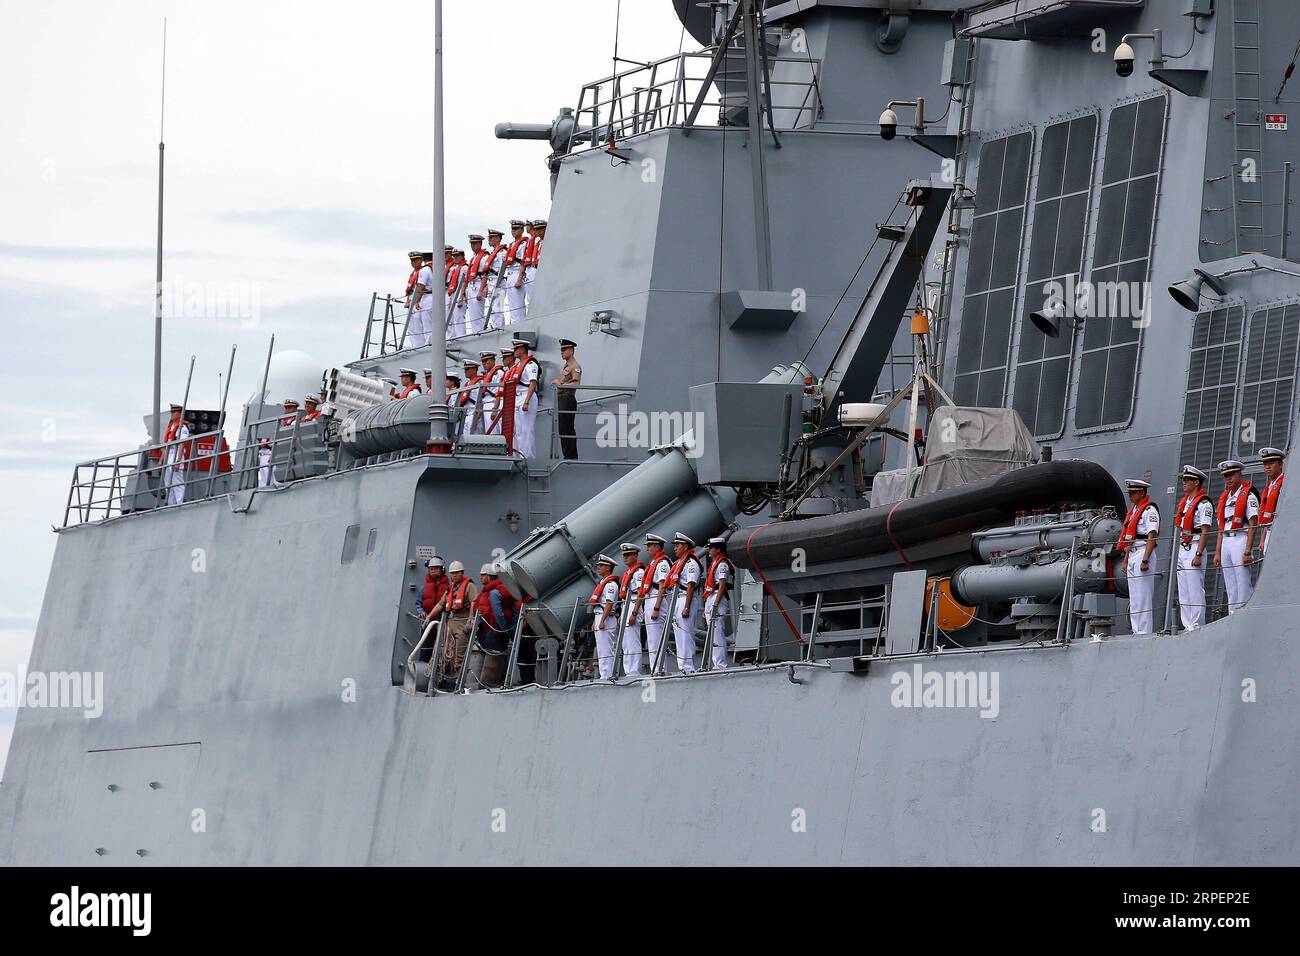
632,625
526,420
1191,579
420,325
1236,572
717,608
176,462
686,615
654,627
1142,584
606,625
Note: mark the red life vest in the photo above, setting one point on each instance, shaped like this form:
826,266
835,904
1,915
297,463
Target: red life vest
594,600
680,566
172,433
651,569
465,396
410,283
1186,515
483,604
311,415
509,385
458,594
478,263
434,589
412,389
288,420
1238,519
710,582
626,581
531,250
454,276
1131,520
512,253
1268,507
492,265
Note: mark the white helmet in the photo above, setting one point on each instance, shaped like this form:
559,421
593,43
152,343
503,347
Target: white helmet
488,569
454,567
435,562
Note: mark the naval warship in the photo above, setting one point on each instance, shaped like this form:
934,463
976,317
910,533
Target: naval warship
832,331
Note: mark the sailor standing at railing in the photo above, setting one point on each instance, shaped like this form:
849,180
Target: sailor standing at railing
532,256
1238,515
717,598
420,323
468,399
491,291
489,383
408,387
477,261
685,577
566,399
457,280
1137,542
513,279
650,597
176,457
1274,461
313,407
629,586
604,621
1193,522
520,387
417,260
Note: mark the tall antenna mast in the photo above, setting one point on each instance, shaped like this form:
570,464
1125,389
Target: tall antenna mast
158,274
439,441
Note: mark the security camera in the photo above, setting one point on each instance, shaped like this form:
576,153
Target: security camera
888,124
1124,57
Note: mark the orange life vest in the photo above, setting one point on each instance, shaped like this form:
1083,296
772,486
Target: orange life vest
651,569
512,253
409,390
680,566
1131,520
710,581
594,600
1268,507
1237,520
458,594
626,580
1186,516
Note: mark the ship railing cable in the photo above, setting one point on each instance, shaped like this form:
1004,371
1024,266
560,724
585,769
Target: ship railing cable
612,430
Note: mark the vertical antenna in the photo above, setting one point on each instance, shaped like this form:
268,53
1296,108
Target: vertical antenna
439,441
158,273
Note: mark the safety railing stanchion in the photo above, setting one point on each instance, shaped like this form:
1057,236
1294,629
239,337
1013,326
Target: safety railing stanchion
469,651
568,645
810,652
667,635
1172,584
514,648
435,660
706,662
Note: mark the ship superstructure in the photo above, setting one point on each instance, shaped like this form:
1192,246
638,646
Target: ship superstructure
855,239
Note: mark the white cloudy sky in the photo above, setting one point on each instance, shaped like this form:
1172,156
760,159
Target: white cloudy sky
299,154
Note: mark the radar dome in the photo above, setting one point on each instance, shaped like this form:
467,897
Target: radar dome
292,373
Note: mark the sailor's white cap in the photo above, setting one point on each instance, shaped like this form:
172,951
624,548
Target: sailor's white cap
488,568
1271,454
1191,471
487,353
718,542
290,401
1136,484
524,342
177,408
312,397
508,350
517,222
539,222
1230,464
568,344
604,559
415,255
470,360
495,232
406,371
475,237
434,562
627,547
684,538
427,371
455,566
651,537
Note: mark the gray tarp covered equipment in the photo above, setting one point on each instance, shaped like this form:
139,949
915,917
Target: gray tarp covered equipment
964,444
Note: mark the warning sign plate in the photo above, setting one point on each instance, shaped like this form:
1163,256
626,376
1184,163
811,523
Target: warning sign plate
1274,121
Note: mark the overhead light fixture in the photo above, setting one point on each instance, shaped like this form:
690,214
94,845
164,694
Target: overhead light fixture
1187,292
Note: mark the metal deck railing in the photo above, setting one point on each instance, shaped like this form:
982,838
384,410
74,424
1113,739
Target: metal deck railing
662,94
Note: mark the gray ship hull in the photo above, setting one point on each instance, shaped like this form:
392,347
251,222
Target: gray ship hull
262,755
